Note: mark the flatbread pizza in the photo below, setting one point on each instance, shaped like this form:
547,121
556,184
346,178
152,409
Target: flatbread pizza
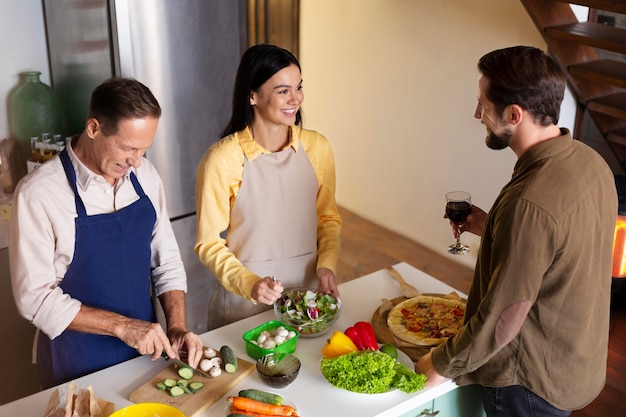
426,320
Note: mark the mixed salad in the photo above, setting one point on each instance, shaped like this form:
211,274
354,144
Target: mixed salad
309,311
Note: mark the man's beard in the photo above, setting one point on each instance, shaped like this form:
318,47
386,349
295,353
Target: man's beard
501,141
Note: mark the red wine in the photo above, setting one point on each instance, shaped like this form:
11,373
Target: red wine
457,211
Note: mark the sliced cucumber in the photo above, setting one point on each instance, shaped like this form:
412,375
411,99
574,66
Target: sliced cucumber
169,383
183,383
185,372
161,386
196,386
176,391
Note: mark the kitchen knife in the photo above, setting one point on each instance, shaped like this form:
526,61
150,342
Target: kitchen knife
183,364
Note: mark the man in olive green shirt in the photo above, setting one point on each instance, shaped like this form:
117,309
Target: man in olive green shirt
537,321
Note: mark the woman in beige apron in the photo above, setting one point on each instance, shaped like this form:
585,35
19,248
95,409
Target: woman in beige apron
270,185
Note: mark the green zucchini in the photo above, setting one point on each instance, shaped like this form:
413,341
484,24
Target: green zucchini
229,359
185,372
265,397
161,386
176,391
196,386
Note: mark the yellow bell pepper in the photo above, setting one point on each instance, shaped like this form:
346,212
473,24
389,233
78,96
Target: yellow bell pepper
339,344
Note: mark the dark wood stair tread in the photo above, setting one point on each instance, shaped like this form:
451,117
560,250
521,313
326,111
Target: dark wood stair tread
592,34
612,104
617,136
617,6
603,70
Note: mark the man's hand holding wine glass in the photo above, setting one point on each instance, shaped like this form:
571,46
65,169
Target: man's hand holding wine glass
474,222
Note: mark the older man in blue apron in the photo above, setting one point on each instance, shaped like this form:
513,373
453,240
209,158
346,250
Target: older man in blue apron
91,241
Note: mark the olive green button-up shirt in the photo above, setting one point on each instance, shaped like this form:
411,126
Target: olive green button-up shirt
538,307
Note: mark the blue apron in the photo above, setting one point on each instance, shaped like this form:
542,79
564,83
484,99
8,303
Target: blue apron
110,270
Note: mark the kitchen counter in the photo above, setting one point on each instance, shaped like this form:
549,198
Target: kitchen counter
310,392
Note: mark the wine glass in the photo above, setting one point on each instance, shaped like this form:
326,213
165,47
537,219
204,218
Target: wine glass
458,207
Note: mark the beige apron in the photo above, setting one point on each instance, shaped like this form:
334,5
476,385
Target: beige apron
273,229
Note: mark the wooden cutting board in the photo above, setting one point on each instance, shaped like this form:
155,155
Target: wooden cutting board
384,335
191,404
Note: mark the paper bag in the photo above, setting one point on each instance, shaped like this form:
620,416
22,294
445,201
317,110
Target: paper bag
12,166
68,401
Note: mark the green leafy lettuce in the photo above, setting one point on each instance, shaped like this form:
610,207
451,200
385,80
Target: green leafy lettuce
370,372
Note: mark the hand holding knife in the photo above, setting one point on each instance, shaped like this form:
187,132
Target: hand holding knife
183,364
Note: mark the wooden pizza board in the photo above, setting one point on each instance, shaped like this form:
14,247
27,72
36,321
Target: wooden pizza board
191,404
384,335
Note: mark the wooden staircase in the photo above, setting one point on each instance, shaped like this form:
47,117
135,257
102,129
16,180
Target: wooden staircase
593,55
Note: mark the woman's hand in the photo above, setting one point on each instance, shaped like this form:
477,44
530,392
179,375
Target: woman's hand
326,281
267,290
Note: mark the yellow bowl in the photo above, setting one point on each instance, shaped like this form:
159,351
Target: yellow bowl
148,410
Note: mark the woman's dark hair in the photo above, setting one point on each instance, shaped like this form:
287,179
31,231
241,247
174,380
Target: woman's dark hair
258,64
525,76
119,98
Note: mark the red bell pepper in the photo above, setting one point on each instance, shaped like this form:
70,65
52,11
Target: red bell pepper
353,334
366,334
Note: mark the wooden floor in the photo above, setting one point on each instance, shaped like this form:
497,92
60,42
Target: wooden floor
366,247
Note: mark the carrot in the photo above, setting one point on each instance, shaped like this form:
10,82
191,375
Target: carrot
235,410
248,404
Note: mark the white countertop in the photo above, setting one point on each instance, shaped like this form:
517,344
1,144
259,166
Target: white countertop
360,298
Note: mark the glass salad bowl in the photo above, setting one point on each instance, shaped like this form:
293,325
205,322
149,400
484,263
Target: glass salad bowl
310,311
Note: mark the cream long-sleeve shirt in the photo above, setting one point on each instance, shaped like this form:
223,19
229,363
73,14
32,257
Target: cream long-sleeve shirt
218,180
42,236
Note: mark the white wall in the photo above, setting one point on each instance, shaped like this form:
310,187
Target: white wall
392,84
22,48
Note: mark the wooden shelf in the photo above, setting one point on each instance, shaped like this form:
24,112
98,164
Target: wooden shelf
592,34
603,71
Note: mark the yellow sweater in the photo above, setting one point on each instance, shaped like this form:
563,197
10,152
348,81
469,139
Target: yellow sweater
218,180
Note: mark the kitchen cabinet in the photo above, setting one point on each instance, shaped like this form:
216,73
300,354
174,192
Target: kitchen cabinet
461,402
